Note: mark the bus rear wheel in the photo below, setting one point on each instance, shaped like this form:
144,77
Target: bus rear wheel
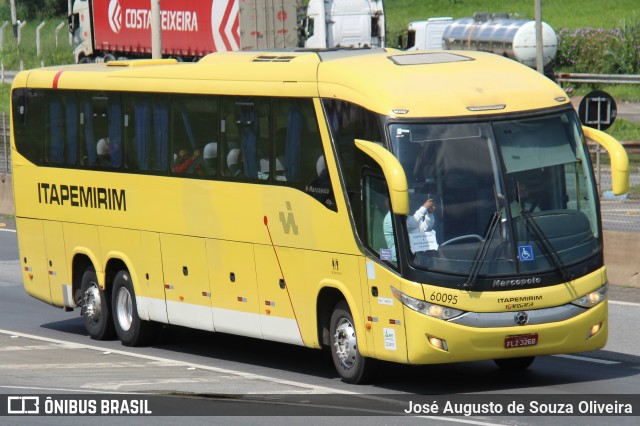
95,307
351,366
131,330
514,364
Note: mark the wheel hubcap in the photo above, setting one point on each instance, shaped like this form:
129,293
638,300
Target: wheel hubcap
124,309
92,308
346,347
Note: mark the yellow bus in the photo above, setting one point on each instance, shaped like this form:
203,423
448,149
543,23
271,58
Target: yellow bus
418,208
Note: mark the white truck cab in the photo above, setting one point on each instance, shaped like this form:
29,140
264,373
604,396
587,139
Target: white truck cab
345,23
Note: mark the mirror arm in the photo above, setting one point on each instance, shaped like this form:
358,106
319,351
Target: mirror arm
618,156
393,174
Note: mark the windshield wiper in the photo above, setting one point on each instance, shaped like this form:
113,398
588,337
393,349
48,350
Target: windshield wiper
546,245
544,242
484,249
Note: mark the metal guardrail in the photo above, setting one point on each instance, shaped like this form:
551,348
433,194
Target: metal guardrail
5,148
567,77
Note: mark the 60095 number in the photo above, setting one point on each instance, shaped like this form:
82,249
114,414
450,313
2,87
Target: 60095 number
443,297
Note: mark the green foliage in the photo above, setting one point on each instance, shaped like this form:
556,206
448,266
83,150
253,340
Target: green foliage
27,10
620,92
581,50
622,55
5,93
599,50
557,13
624,130
51,52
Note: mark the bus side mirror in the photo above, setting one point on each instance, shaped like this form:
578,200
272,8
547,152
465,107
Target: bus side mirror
393,174
619,159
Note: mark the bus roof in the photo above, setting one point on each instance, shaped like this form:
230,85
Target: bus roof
390,82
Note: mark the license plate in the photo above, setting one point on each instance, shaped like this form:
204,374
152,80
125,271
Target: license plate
520,340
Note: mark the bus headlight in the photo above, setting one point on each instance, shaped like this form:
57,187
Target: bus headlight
431,309
592,299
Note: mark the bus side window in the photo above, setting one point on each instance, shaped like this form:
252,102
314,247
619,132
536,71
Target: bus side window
286,116
299,156
101,131
380,235
115,130
194,126
61,144
244,137
146,127
349,122
29,123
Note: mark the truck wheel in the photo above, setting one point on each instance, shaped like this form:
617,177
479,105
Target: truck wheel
95,307
351,366
131,330
514,364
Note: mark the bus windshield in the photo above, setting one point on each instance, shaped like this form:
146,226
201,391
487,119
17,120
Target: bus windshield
507,197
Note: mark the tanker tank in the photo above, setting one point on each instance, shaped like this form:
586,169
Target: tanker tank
513,38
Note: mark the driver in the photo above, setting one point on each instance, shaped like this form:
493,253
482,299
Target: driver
421,228
423,219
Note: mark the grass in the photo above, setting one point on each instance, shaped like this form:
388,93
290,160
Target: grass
621,92
557,13
16,56
5,96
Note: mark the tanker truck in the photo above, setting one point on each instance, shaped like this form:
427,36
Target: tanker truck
497,33
105,30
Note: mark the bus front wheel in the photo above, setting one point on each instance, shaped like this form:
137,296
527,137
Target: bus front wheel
352,367
131,330
95,307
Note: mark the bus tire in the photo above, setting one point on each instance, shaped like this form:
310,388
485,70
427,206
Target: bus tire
351,366
95,307
131,330
514,364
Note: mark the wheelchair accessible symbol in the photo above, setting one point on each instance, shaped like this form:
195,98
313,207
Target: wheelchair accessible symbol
526,253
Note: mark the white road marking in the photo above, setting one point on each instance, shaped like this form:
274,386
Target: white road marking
249,376
583,358
310,388
615,302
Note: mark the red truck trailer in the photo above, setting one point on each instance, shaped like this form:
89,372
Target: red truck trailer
105,30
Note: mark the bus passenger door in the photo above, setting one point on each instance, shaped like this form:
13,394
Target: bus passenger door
234,291
34,259
59,283
186,281
153,283
277,318
386,317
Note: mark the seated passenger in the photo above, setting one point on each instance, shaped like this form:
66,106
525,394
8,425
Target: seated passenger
186,162
263,173
264,170
320,187
234,163
280,172
103,157
210,155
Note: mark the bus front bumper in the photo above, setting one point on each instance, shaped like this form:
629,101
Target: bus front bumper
432,341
